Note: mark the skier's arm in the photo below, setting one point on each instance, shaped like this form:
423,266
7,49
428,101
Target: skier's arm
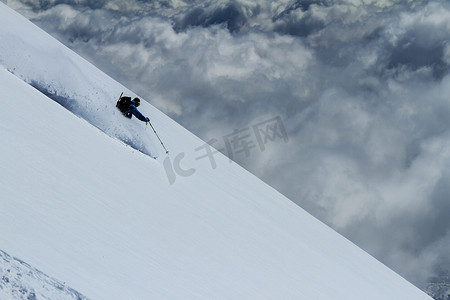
138,115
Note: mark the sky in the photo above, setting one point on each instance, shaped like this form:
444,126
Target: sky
350,96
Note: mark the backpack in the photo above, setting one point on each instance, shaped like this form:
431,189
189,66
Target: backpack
123,103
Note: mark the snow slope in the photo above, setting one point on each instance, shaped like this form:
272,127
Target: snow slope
18,280
113,223
66,78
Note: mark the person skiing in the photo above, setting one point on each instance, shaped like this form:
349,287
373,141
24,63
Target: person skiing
129,108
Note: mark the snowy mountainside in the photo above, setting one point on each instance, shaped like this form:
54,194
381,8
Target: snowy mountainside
439,288
68,79
19,280
94,213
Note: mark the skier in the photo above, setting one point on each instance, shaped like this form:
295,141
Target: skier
129,108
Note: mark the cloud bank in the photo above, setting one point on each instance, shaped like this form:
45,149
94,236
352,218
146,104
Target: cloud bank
362,88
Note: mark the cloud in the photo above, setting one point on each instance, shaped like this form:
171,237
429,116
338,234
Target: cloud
361,87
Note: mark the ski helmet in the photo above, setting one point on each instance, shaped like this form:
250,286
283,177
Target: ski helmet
137,101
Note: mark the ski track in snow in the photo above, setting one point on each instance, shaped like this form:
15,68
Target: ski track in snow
62,75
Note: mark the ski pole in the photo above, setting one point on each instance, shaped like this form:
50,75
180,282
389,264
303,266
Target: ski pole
167,152
120,96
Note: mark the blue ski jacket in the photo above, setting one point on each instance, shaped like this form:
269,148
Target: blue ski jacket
132,110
